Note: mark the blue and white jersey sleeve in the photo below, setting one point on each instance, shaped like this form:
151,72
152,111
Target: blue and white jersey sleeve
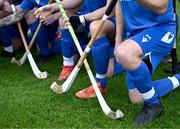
26,5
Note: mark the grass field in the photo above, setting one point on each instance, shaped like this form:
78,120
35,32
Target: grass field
26,102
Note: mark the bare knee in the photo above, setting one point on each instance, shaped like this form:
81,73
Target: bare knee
128,54
135,96
93,26
123,56
107,29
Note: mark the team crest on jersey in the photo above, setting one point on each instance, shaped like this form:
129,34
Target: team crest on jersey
146,38
168,37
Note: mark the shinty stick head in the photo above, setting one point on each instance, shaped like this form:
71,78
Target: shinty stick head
43,75
56,88
14,61
115,115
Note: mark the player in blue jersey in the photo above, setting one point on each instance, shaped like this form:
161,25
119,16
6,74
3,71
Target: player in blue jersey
150,28
46,33
102,50
9,34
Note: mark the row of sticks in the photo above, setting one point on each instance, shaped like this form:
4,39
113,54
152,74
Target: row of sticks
68,83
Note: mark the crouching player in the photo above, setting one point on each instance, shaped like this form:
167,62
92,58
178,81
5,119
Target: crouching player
153,34
9,37
102,50
85,19
103,54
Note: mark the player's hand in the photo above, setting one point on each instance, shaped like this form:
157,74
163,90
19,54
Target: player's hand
77,21
7,7
48,20
44,11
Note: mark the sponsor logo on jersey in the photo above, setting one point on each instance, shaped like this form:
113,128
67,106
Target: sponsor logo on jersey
146,38
168,37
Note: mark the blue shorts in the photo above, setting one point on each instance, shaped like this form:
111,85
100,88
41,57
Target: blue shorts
155,42
51,30
7,33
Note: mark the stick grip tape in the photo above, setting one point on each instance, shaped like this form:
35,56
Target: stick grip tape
110,7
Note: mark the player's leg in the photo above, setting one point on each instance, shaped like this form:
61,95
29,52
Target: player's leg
6,38
129,54
161,87
69,49
54,37
101,51
41,39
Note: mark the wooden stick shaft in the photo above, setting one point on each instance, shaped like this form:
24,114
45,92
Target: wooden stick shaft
23,37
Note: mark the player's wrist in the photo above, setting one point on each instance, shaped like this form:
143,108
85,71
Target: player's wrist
82,19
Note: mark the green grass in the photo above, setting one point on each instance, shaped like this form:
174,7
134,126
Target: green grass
26,102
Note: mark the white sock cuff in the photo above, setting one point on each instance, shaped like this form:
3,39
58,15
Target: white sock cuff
101,76
149,94
9,48
68,61
174,81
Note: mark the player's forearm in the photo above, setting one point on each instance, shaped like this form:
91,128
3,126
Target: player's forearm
3,14
157,6
119,23
96,15
13,18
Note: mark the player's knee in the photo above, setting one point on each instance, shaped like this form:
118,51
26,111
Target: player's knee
30,17
127,55
93,27
121,55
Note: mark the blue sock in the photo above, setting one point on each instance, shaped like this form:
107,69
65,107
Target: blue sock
41,39
56,48
67,44
101,54
129,82
164,86
141,78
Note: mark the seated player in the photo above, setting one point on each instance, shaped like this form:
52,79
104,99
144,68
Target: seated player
46,33
9,37
84,17
149,33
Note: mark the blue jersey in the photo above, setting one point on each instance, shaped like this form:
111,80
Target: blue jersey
138,18
30,4
92,5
